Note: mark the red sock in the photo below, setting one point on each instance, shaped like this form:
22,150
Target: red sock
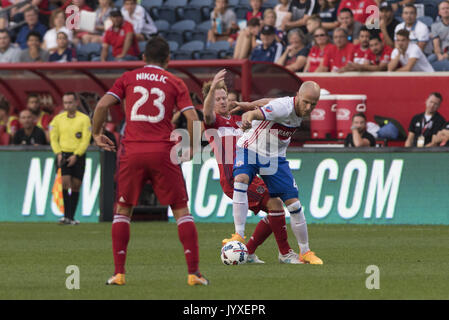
120,239
261,233
278,225
189,238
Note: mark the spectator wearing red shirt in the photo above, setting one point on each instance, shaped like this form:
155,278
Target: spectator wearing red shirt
122,39
316,53
256,10
380,55
361,53
339,54
359,8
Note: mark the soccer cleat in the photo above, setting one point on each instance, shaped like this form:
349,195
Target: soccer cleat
289,258
118,280
194,280
64,220
310,258
74,222
252,258
235,237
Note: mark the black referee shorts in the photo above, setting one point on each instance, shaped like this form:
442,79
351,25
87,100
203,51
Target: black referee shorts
77,170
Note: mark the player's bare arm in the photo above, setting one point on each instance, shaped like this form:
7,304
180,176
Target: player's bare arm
99,118
208,108
191,116
249,106
249,116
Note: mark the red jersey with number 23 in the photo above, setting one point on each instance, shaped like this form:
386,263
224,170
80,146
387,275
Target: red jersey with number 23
152,95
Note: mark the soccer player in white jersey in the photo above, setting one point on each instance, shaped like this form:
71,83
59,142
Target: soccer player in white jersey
262,150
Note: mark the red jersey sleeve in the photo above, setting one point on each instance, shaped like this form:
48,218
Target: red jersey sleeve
183,101
106,37
128,27
118,89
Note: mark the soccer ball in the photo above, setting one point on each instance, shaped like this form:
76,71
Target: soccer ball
233,253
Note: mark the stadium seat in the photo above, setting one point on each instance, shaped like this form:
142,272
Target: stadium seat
88,51
162,25
200,35
118,3
173,45
216,50
193,13
233,3
181,31
240,12
166,13
269,4
244,3
172,9
426,20
148,4
142,45
430,9
206,25
198,10
189,50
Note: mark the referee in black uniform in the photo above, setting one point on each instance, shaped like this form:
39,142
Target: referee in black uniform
70,134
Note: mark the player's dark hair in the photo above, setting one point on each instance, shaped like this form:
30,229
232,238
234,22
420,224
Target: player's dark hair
365,29
254,22
403,33
359,114
346,10
34,34
32,95
157,50
71,93
437,95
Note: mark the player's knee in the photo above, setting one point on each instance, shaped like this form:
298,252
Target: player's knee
294,207
125,211
274,204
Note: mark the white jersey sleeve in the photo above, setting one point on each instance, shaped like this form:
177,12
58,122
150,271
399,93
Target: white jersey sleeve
278,109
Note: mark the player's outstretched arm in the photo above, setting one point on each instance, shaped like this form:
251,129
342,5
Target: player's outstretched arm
208,107
249,106
99,118
249,116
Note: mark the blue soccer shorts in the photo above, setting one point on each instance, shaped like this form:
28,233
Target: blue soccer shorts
275,172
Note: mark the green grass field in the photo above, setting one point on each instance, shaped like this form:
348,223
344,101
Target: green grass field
413,263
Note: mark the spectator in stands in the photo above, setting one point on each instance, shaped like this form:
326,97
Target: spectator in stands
122,39
359,8
313,23
57,24
269,50
361,52
8,123
144,27
300,11
328,14
359,137
281,11
339,54
269,19
387,23
347,22
440,38
256,10
102,22
33,52
32,24
316,54
8,53
247,39
41,118
294,57
400,4
419,32
379,57
78,35
29,134
407,56
17,14
224,22
64,52
427,124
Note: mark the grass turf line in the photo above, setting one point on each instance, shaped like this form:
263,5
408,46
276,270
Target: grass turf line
413,263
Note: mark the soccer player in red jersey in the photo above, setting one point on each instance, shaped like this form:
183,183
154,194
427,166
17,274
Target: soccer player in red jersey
151,94
223,130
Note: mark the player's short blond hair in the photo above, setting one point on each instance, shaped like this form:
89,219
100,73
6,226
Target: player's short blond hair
207,85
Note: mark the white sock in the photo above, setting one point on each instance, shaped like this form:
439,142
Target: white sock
240,207
299,226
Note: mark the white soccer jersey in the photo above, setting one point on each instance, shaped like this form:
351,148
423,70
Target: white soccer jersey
271,137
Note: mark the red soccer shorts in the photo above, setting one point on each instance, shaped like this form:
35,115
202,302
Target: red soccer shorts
258,195
136,166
